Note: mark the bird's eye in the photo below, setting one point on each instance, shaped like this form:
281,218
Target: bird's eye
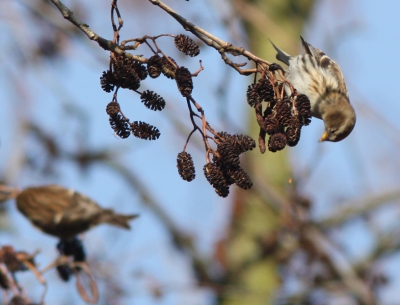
332,131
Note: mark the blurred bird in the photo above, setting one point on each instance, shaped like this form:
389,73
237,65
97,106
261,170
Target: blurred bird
64,212
320,78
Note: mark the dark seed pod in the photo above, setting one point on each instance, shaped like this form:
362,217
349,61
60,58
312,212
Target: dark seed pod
145,131
225,169
168,67
242,143
229,154
73,248
216,178
127,81
303,104
154,66
64,272
131,82
240,177
152,100
126,72
283,112
271,125
253,98
107,81
184,81
277,142
293,132
264,89
80,254
140,70
223,135
304,108
220,162
112,108
185,166
186,45
120,126
222,191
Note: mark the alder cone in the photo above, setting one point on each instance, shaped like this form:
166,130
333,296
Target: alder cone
64,212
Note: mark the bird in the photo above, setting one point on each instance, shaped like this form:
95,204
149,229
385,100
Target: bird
321,80
65,213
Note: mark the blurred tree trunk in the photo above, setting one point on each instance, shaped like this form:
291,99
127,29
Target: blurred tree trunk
258,214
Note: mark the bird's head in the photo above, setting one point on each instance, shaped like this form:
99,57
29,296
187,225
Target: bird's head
339,119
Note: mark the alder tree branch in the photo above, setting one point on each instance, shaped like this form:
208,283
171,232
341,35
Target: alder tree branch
107,45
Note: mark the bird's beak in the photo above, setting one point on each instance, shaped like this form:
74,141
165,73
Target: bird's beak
324,137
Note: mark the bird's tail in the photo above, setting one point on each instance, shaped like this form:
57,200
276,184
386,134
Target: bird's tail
281,55
118,220
317,53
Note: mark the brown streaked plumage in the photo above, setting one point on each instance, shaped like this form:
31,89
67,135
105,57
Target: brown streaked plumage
64,212
320,78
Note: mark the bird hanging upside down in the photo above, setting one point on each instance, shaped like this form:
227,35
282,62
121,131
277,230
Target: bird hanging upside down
320,78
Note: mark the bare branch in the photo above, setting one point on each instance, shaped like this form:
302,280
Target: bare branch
218,44
104,43
359,207
340,264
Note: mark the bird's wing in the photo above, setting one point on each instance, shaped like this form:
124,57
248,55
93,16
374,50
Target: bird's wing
82,205
326,63
338,75
53,196
281,55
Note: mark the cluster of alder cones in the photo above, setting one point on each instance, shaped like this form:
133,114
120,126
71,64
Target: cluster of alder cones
127,73
283,116
224,169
